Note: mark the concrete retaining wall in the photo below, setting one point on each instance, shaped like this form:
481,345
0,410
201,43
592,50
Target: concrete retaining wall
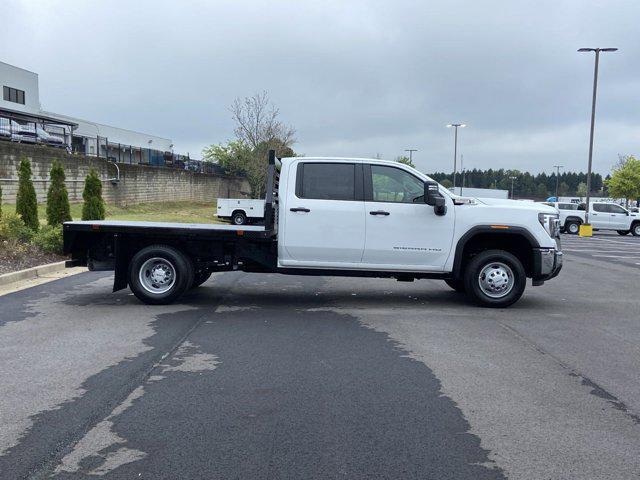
138,183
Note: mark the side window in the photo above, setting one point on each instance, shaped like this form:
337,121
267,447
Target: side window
327,181
392,184
616,209
599,207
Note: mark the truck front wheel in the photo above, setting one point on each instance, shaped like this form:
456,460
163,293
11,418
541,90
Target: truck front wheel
159,274
495,278
635,229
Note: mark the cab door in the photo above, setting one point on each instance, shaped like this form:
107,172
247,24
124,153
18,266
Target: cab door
618,217
324,224
403,232
599,216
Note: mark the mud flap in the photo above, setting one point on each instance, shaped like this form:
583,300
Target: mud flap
120,280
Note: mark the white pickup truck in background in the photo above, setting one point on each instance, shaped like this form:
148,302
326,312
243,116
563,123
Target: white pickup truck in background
602,216
240,211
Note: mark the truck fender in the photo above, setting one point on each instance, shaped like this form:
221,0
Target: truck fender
487,230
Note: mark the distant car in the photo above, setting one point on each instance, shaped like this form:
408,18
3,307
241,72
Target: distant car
25,134
9,129
46,138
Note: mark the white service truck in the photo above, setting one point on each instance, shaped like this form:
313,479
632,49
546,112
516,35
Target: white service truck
240,211
337,216
602,216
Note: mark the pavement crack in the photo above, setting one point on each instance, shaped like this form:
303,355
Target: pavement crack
596,389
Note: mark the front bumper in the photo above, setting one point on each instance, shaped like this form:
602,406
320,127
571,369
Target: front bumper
547,263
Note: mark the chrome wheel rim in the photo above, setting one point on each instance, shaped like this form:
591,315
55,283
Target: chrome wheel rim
496,280
157,275
573,228
636,230
237,220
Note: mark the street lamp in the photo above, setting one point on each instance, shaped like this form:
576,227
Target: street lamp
593,120
513,179
455,150
411,150
557,167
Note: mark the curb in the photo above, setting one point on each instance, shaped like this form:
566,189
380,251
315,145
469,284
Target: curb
31,273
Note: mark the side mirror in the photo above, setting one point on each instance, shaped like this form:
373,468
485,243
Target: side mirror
432,197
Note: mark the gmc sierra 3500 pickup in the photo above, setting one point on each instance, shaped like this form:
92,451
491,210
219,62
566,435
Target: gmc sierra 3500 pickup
337,216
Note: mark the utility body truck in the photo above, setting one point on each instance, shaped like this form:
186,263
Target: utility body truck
602,216
240,211
340,217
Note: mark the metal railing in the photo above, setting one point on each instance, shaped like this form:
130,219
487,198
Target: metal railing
34,133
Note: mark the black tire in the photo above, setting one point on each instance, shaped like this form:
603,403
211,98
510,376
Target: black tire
572,227
635,229
239,218
200,278
169,258
457,285
497,259
623,232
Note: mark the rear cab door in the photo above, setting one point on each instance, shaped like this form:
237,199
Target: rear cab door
599,216
322,218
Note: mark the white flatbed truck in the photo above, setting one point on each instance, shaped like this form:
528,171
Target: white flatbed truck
337,216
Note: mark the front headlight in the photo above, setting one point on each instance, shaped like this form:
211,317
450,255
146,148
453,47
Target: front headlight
551,223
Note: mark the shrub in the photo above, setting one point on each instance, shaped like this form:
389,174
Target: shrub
58,210
49,239
26,204
13,228
93,207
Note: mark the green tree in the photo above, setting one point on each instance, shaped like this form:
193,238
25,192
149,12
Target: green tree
405,160
93,207
581,191
26,203
58,210
446,183
625,179
257,130
563,189
542,191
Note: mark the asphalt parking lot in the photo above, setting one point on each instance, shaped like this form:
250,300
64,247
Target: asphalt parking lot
267,376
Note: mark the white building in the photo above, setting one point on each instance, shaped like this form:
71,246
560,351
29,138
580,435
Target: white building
21,101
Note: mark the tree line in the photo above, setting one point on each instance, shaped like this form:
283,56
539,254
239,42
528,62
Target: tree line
538,186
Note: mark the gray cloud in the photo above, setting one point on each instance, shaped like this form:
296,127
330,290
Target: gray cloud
354,78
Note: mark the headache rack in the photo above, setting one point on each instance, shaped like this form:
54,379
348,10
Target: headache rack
271,195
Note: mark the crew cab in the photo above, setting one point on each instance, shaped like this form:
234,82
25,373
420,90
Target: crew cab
337,216
602,216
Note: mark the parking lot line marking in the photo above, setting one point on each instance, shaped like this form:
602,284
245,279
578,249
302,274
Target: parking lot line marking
612,256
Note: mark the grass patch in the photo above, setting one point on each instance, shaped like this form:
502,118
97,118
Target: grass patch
178,212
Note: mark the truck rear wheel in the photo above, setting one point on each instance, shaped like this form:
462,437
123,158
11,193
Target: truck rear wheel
159,274
239,218
572,227
495,278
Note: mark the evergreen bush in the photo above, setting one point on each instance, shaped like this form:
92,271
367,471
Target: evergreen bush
26,203
58,209
93,207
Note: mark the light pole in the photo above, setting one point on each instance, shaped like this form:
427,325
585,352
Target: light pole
513,179
411,150
455,150
557,167
593,120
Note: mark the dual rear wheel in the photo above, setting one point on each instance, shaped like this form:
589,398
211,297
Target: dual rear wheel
159,274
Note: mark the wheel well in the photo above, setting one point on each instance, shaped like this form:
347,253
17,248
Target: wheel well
238,210
514,243
573,219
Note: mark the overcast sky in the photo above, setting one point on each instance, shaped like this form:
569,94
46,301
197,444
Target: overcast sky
355,78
